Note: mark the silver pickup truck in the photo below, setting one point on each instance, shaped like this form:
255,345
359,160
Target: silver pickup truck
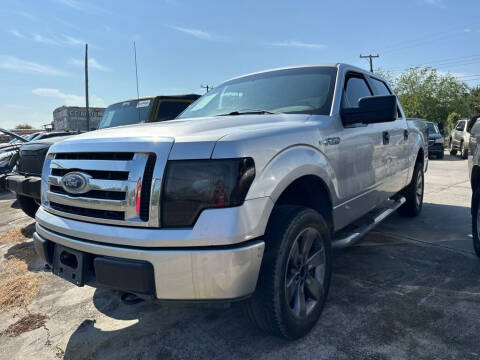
242,197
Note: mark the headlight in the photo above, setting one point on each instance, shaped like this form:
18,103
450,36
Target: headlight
5,158
439,140
194,185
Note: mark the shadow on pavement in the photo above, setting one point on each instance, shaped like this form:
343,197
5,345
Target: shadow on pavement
388,299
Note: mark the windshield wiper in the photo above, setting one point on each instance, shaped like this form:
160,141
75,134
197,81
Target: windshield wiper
248,112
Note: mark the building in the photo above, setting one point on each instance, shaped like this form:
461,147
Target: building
73,118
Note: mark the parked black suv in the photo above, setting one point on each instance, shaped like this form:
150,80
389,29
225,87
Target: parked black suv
435,141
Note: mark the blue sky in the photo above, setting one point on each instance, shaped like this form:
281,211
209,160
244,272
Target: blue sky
182,44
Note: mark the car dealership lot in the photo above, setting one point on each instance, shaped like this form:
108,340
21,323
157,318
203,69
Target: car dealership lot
410,289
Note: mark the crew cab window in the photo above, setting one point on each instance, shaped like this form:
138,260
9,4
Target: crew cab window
460,126
379,87
168,110
355,88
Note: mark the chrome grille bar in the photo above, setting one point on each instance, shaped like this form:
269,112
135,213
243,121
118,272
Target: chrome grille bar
100,204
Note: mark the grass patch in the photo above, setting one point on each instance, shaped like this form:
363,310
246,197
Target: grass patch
18,285
18,235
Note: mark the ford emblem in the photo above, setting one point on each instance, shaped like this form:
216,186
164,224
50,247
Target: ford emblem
75,182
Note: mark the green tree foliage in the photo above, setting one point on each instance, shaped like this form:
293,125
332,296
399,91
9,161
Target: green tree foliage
24,126
451,121
428,94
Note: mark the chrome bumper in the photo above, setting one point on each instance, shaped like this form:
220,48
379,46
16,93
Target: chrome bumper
217,273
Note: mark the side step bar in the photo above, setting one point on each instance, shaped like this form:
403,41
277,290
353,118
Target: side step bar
353,233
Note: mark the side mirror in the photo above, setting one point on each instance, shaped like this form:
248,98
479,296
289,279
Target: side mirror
371,110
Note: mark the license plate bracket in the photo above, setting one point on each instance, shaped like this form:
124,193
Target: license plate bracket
70,264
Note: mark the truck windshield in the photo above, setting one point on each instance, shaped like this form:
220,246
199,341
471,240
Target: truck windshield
433,129
307,90
126,113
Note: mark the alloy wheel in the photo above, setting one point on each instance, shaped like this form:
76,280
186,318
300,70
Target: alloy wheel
305,274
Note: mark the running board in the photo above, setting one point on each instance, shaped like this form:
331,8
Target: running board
359,228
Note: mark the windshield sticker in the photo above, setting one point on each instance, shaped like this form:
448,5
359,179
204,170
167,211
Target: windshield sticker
143,103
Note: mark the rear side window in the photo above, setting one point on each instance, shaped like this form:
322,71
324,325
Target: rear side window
168,110
379,87
355,88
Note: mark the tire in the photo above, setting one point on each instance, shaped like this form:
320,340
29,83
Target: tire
28,205
284,267
453,152
413,193
476,221
463,151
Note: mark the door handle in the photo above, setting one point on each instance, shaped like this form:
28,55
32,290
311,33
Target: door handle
386,138
405,134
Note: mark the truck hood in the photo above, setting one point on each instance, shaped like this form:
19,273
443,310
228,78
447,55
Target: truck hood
208,129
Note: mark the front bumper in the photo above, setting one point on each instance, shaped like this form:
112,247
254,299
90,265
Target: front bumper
206,273
23,185
435,148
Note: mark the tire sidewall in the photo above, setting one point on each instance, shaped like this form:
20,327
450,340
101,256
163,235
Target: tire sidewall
294,327
475,209
418,168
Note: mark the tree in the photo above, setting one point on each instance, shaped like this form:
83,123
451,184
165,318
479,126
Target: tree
428,94
23,126
451,121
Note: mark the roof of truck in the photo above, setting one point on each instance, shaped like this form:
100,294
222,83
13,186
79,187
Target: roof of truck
335,65
179,97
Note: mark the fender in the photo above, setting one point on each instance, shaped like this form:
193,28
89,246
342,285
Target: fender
417,143
289,165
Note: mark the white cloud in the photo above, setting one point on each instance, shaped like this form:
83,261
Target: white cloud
82,6
69,99
437,3
70,40
43,39
92,64
17,34
13,63
299,44
199,34
467,30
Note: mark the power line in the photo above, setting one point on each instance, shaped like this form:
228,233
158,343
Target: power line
370,57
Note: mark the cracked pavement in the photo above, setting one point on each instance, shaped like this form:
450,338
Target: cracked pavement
410,289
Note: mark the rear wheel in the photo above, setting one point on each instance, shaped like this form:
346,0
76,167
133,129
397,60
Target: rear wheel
28,205
453,152
295,274
463,151
476,221
413,193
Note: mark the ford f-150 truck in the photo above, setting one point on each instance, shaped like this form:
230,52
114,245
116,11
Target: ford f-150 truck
242,197
26,179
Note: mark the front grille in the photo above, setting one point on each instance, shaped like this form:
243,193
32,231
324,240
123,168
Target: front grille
97,174
146,188
113,182
95,194
102,214
431,142
30,162
95,156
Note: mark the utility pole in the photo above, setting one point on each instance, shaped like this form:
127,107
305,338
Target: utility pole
370,57
86,87
207,87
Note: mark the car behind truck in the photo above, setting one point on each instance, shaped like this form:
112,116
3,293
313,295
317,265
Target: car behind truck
241,198
26,179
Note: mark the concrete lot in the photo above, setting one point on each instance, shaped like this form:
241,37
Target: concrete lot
410,289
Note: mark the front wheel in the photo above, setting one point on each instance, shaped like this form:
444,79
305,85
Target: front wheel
463,151
413,193
476,221
295,274
453,152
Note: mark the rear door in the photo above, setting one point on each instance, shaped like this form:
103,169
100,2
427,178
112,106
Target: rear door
458,133
359,159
